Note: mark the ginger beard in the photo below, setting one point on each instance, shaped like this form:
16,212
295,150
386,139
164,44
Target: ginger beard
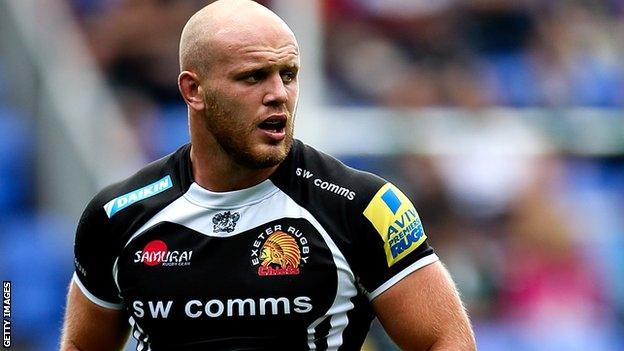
236,136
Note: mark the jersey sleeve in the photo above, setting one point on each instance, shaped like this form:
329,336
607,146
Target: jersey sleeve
391,241
94,258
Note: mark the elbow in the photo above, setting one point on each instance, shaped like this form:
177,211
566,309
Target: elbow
464,342
69,345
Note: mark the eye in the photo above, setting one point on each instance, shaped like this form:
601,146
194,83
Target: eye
288,75
254,76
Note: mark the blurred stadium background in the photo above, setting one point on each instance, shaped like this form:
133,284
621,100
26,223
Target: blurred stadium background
503,119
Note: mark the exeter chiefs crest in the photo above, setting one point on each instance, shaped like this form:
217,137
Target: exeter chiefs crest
277,252
225,222
279,255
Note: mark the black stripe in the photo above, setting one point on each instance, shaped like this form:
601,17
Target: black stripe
359,318
321,332
141,338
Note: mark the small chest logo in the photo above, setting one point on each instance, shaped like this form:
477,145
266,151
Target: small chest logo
281,253
225,222
157,253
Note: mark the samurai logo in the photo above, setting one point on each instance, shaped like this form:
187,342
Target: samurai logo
225,222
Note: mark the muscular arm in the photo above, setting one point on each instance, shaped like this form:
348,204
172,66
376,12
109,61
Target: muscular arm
89,327
423,311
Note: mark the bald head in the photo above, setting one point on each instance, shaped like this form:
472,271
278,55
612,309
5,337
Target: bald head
224,24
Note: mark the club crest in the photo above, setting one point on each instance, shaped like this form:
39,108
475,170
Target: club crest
225,222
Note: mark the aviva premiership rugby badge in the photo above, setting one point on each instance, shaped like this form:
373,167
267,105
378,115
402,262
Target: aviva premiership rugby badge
395,219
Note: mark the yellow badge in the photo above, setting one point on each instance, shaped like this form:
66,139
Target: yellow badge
396,220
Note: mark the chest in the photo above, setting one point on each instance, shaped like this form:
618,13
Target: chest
279,277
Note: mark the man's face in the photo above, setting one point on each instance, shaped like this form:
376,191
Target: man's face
251,93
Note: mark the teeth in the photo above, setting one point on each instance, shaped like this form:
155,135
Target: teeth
273,126
274,123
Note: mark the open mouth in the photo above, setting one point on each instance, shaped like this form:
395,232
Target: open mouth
274,124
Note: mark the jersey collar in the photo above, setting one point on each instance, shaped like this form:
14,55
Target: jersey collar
230,199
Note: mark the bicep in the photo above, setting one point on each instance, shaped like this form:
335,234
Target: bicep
423,311
89,327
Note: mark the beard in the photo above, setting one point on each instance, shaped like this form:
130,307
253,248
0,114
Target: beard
234,136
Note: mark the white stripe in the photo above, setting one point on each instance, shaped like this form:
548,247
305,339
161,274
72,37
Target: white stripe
188,211
139,335
230,199
274,206
177,211
311,331
140,345
93,298
116,273
427,260
345,290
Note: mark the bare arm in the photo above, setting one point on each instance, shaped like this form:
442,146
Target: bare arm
89,327
423,311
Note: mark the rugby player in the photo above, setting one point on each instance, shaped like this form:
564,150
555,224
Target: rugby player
247,239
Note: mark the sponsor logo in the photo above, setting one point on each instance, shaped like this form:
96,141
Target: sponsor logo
225,222
157,253
233,307
325,185
79,267
279,252
395,219
119,203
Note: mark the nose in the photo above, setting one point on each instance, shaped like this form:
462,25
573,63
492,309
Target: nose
276,92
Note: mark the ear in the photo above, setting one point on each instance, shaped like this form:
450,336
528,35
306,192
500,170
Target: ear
191,90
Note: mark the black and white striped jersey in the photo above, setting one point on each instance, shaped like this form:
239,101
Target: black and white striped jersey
289,264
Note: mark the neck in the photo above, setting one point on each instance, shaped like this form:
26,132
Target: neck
217,172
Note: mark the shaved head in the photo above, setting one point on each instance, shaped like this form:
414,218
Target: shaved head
239,67
221,25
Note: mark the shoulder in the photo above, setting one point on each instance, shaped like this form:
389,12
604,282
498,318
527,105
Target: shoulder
115,213
309,169
368,216
154,185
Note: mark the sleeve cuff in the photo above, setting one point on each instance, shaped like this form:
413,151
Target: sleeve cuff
93,298
427,260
